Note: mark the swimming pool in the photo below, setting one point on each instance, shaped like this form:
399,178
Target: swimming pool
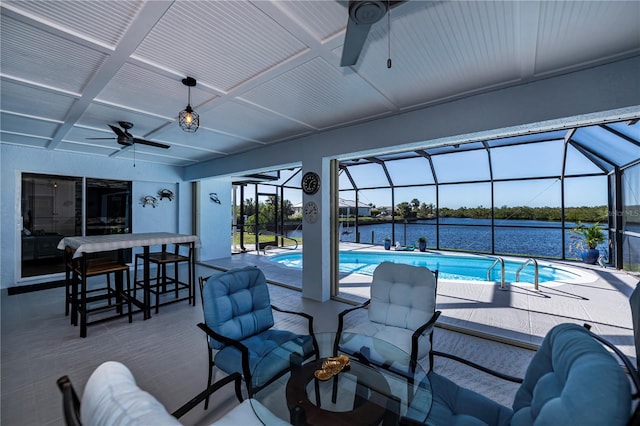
449,266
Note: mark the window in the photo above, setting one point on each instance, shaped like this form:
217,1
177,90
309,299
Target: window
51,208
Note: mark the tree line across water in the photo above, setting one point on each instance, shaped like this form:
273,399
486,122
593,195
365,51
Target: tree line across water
550,214
420,210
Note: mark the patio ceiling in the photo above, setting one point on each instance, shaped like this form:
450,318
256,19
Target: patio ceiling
269,71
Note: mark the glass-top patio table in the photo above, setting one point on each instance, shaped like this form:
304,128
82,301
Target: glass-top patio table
360,394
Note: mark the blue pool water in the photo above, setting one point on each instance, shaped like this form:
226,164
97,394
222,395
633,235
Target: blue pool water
450,267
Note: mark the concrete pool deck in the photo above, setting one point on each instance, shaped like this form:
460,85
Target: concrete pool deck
519,314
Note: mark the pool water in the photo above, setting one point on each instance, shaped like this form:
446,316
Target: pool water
449,267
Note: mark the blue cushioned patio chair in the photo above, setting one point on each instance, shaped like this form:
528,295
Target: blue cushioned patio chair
238,320
571,380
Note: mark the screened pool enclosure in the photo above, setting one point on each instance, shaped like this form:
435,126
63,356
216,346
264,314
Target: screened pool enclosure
520,196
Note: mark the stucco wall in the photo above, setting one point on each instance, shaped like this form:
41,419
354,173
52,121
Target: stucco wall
147,179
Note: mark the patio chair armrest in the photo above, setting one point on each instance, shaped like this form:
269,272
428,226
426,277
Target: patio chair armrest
341,316
302,314
309,318
70,402
227,340
416,336
479,367
234,377
246,371
420,330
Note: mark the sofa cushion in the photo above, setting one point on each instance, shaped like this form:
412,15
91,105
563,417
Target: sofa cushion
572,379
402,296
271,349
238,305
111,397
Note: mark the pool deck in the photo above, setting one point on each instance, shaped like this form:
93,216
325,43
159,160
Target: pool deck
519,314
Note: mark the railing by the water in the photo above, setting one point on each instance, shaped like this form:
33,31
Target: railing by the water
535,271
501,261
284,237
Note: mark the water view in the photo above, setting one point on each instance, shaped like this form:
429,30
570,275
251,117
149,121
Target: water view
522,237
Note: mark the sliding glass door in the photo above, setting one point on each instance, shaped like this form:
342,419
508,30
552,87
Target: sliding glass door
52,208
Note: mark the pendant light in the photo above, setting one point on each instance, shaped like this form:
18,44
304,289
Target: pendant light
188,119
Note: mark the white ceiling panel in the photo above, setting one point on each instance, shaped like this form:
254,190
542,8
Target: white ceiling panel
207,140
322,19
580,32
141,155
27,125
81,135
183,153
24,140
103,21
24,99
269,71
103,151
100,116
31,54
223,43
247,121
431,60
145,90
317,93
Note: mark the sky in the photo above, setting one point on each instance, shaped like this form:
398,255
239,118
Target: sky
514,162
525,162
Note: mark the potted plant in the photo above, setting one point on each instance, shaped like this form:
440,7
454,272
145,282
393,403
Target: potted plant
586,239
422,243
387,243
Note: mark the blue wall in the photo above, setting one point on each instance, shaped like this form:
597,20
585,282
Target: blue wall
168,216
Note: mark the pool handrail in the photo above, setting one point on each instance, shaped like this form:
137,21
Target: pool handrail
535,271
275,234
501,261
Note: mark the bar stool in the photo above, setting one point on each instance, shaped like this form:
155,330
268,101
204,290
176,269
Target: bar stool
70,265
81,297
159,284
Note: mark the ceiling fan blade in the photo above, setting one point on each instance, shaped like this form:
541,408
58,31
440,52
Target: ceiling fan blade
151,143
394,3
354,40
362,15
118,131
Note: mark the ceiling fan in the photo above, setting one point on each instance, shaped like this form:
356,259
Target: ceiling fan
125,138
362,14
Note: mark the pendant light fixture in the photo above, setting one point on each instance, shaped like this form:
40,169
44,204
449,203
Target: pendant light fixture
188,119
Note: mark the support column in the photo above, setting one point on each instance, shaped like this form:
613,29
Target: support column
316,250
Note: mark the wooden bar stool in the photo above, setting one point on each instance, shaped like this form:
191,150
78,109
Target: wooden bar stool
82,297
162,281
70,265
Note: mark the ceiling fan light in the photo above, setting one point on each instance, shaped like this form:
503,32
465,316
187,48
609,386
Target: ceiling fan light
188,119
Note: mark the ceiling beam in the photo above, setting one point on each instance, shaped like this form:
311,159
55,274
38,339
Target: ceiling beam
146,19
